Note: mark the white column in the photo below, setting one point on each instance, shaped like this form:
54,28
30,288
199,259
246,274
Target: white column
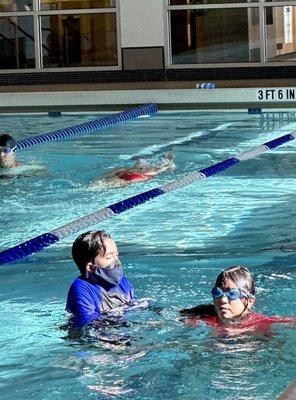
142,23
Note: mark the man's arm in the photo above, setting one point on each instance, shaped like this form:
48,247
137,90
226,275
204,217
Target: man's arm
83,303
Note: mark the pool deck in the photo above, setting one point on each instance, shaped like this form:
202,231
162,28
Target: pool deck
250,94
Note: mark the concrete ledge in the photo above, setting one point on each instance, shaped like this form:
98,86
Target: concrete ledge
268,97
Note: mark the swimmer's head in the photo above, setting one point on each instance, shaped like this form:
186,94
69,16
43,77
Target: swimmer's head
233,294
142,164
88,246
7,141
7,154
238,274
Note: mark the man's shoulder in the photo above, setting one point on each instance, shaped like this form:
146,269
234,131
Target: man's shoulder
125,283
82,284
78,281
125,280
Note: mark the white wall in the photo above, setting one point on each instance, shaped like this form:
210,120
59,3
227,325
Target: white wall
142,23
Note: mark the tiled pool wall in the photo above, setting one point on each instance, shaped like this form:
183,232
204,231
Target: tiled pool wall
148,75
47,100
18,94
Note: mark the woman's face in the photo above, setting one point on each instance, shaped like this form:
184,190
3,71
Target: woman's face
231,310
7,158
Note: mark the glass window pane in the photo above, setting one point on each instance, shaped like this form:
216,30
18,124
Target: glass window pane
16,43
16,5
79,40
215,36
280,33
199,2
74,4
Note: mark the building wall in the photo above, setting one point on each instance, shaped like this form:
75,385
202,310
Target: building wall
142,34
142,23
138,38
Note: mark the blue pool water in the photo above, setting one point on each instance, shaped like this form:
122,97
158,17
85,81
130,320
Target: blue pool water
172,248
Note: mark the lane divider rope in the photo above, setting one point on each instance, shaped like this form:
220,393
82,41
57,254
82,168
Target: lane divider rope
46,239
289,393
88,127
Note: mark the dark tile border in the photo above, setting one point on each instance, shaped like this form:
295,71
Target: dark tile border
235,73
159,75
43,78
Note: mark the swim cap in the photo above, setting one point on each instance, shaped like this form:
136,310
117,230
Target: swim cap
142,163
7,140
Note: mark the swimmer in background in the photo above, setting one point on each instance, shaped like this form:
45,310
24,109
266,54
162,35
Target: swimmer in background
142,170
7,152
233,300
10,168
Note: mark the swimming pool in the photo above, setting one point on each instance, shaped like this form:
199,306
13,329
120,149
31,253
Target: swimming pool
172,249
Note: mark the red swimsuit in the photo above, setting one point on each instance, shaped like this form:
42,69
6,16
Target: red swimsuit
133,176
254,322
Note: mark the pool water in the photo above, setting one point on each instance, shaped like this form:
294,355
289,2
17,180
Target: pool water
172,249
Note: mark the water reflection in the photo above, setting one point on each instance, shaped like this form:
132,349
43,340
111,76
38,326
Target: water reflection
164,358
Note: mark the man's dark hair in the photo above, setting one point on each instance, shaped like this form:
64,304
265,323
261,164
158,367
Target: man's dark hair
87,246
7,140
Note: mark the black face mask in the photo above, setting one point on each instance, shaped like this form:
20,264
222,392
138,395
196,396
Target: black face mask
111,274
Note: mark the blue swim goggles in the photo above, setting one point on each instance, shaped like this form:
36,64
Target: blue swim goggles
6,150
232,294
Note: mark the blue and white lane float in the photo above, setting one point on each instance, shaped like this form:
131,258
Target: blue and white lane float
46,239
88,127
289,393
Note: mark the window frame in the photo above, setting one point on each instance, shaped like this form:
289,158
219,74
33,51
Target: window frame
262,5
36,13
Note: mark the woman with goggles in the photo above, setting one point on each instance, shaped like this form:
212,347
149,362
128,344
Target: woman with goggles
7,152
233,298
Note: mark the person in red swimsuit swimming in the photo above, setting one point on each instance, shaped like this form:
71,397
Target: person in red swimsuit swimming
142,170
231,311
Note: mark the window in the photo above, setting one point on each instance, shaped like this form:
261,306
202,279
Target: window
219,31
15,5
280,33
76,4
16,43
79,40
58,34
215,36
198,2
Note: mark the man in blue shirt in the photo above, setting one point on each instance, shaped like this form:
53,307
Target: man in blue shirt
101,287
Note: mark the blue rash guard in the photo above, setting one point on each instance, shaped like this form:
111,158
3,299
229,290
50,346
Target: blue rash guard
87,300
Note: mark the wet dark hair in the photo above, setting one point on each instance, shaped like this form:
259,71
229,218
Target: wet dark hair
87,246
240,275
201,310
7,140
